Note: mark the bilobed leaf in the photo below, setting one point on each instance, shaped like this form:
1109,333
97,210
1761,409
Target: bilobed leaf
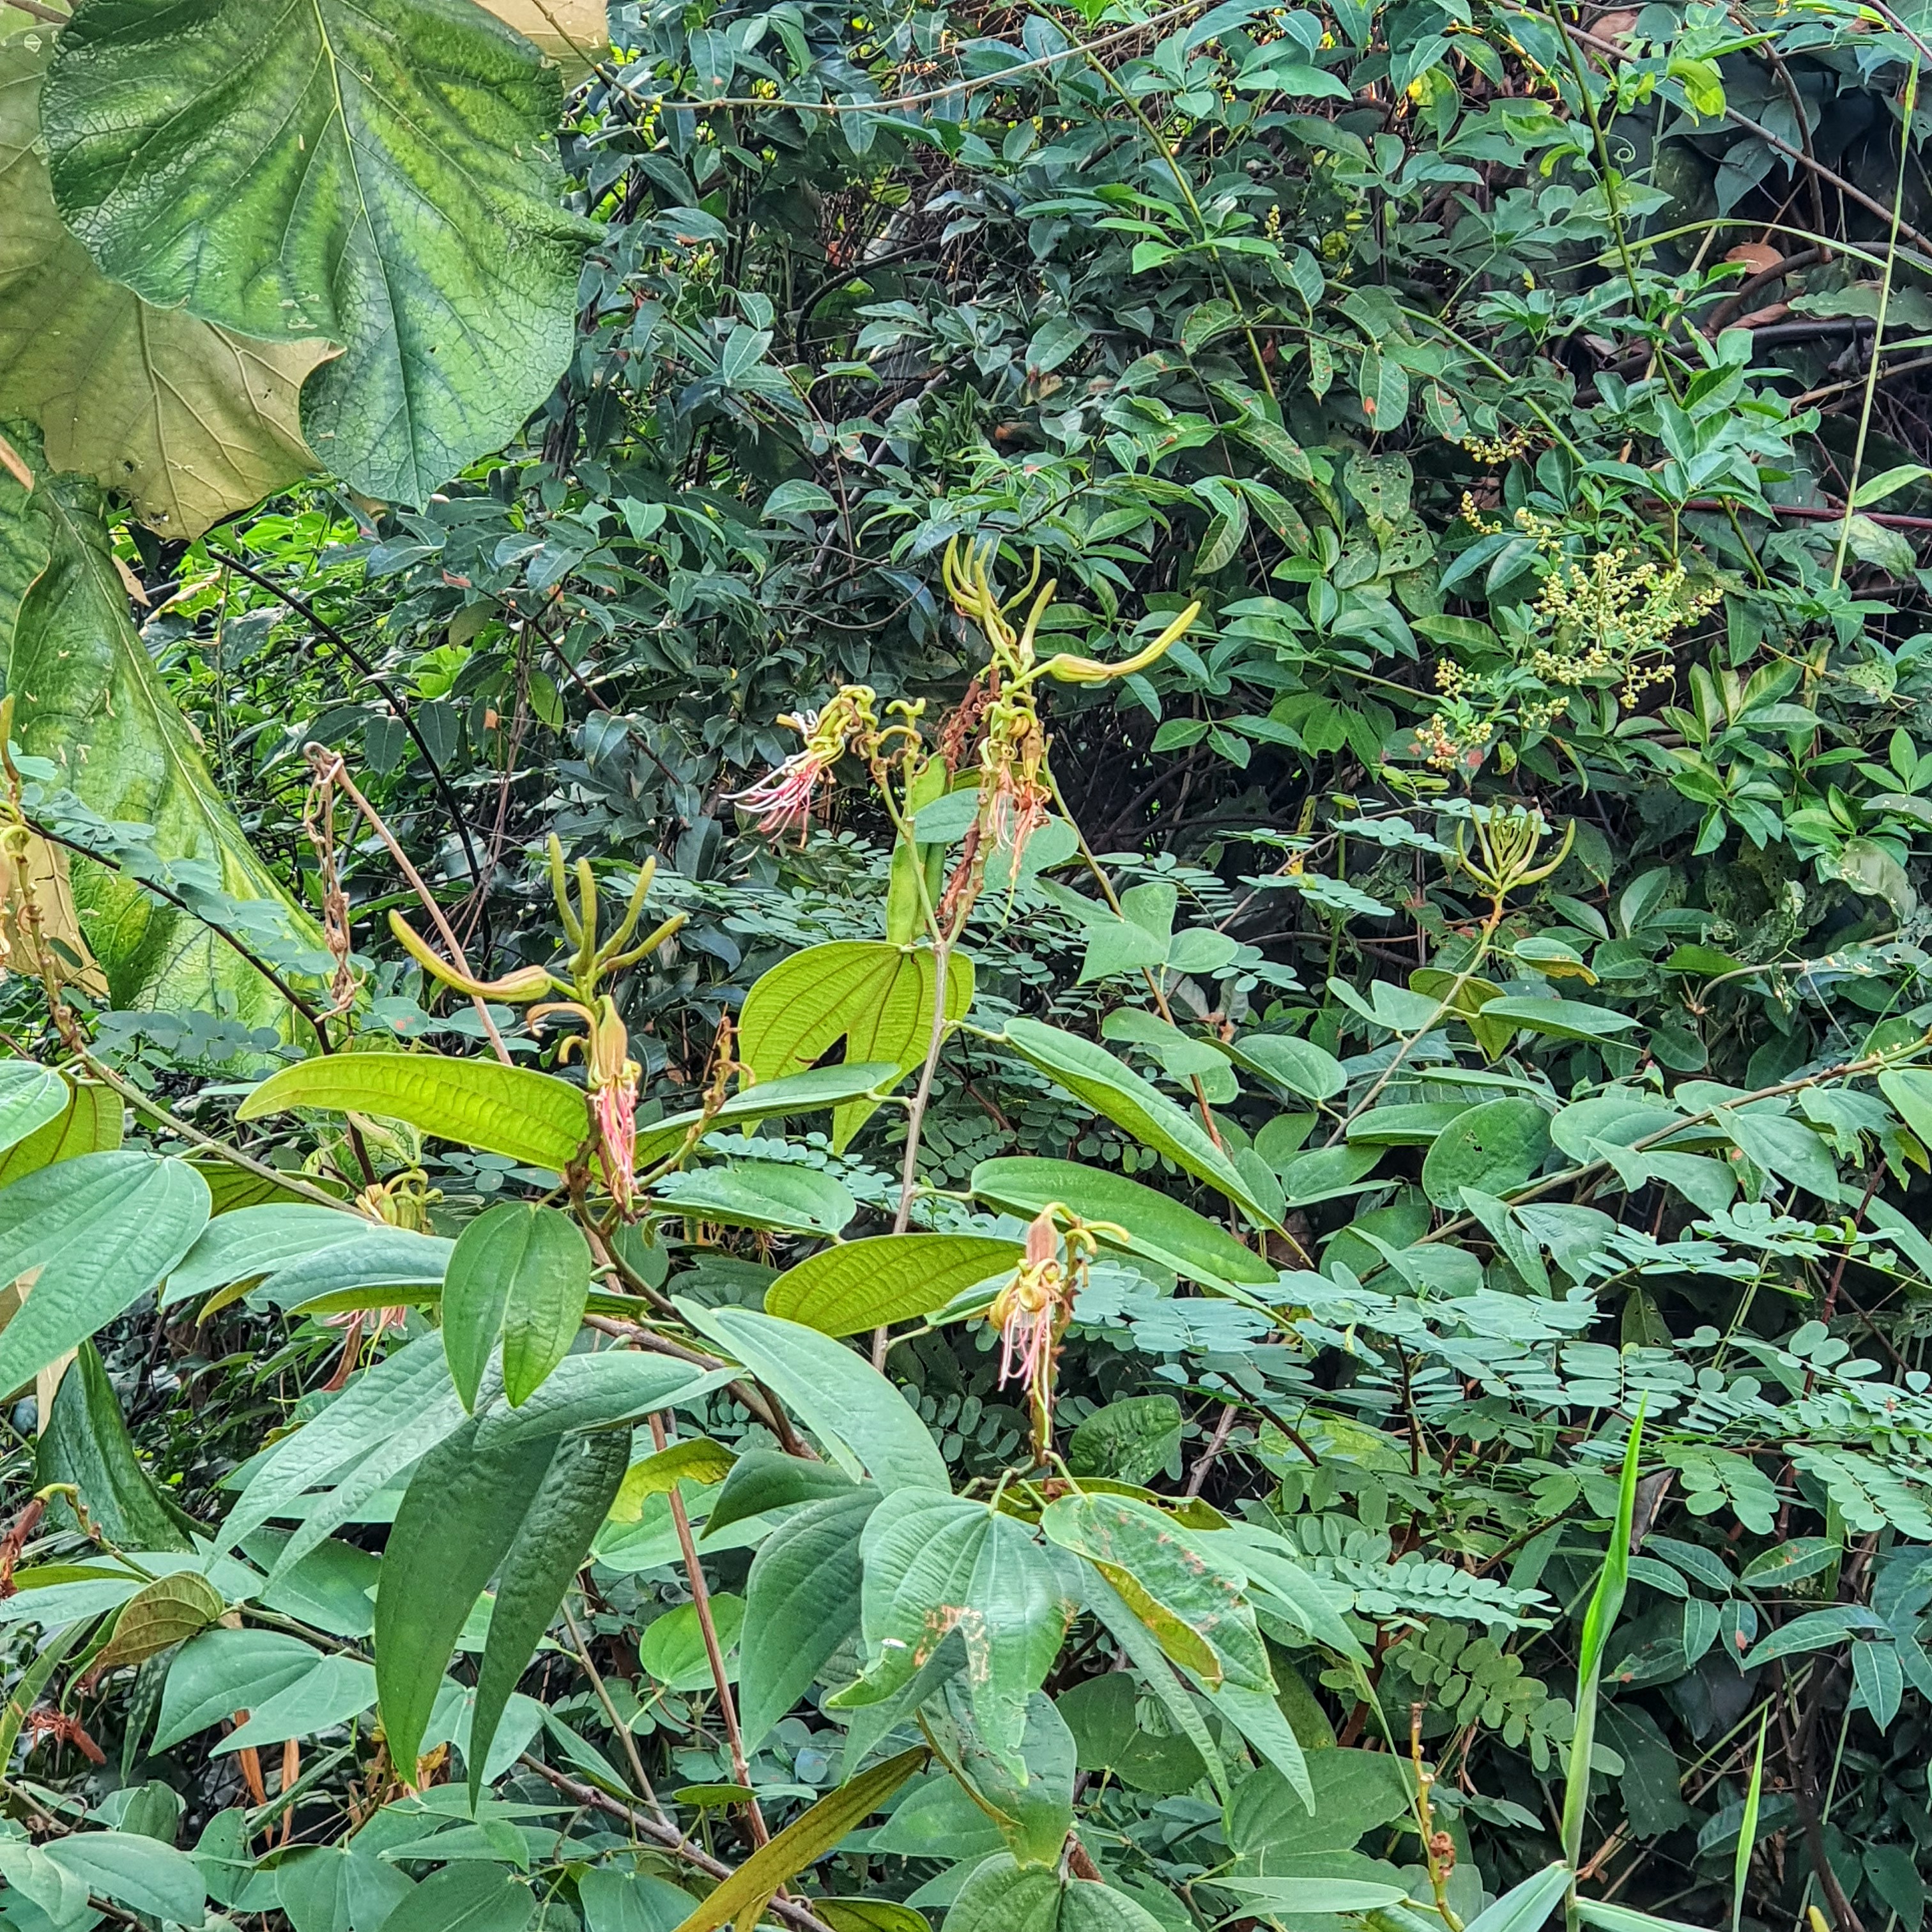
551,1543
863,1420
513,1111
402,158
1494,1146
1113,1089
224,1671
807,1093
134,1871
90,1124
1173,1580
31,1098
763,1194
465,1897
861,1285
802,1844
192,422
102,1230
934,1564
167,1611
85,1442
462,1511
876,997
801,1603
1152,1225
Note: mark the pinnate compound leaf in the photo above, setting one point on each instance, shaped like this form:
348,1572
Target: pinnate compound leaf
459,1517
102,1230
876,997
551,1543
513,1111
1113,1089
801,1603
1151,1224
864,1422
1186,1591
934,1564
191,421
858,1285
401,156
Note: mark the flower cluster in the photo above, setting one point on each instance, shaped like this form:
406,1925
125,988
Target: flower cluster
783,798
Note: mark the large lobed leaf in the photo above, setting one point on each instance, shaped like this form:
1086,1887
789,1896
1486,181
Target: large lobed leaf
381,174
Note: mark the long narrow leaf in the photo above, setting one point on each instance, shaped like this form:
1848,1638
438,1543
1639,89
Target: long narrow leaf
1747,1830
1606,1602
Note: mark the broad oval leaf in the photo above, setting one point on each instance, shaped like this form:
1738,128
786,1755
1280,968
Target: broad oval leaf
1494,1148
134,1871
90,1124
769,1195
1298,1065
102,1230
224,1671
403,160
1558,1019
168,1611
1154,1225
1113,1089
85,1441
31,1097
876,997
513,1111
863,1285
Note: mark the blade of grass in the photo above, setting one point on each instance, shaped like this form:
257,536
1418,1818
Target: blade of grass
1607,1600
1748,1829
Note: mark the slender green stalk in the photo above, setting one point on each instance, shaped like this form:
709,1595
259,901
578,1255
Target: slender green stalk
1747,1827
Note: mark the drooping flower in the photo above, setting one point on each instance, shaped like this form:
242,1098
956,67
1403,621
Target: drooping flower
1031,1313
611,1078
783,798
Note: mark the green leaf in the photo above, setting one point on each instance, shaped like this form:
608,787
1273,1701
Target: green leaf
1557,1019
1172,1579
466,1897
1314,1894
102,1230
31,1097
1354,1792
801,1844
1299,1066
224,1671
190,422
876,997
765,1481
513,1111
1103,1714
336,1689
168,1612
767,1194
801,1603
90,1124
1524,1907
697,1459
85,1441
549,1282
1004,1897
859,1285
934,1564
403,163
805,1093
1114,1090
552,1543
1608,1917
673,1648
133,1871
603,1390
1495,1147
254,1241
861,1420
88,698
1032,1795
1130,1440
615,1901
1909,1090
489,1254
1152,1224
1786,1147
458,1519
869,1915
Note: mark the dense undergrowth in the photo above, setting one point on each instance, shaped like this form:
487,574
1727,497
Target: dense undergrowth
1345,580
